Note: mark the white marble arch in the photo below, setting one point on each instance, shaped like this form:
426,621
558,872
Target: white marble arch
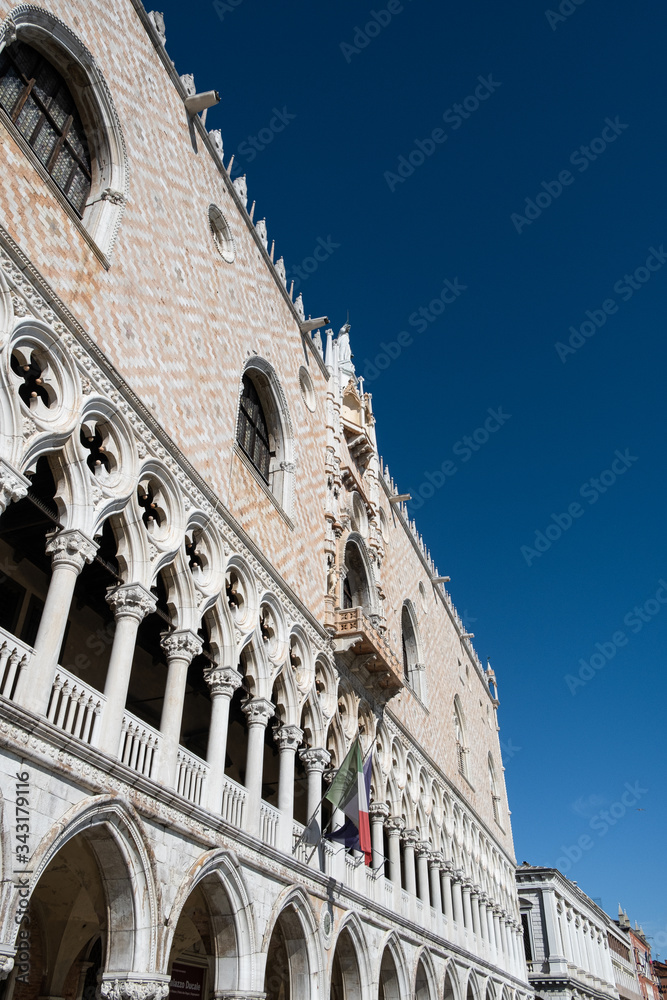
115,834
306,960
351,945
392,976
425,978
450,988
219,876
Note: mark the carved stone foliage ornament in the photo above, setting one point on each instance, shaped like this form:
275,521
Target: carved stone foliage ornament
258,711
223,681
132,601
134,989
183,645
71,548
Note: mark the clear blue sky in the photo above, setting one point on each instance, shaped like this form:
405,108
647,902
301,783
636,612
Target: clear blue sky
551,88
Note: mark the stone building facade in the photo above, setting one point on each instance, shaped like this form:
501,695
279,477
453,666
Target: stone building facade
566,938
209,586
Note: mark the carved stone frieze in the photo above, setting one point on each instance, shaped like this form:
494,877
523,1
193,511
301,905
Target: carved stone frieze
134,989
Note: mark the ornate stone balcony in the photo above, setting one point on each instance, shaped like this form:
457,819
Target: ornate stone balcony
354,631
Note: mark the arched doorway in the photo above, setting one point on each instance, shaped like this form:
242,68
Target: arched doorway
345,974
80,920
287,967
389,987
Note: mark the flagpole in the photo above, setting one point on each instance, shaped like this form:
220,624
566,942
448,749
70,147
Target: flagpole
319,805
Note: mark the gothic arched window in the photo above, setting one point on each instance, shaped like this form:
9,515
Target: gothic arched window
461,749
412,668
39,103
253,431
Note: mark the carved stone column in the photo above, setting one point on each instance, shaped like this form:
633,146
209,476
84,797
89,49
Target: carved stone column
410,838
488,909
379,812
258,711
474,906
222,682
434,866
130,605
423,853
315,759
70,550
180,648
466,889
394,827
13,485
288,739
496,928
446,886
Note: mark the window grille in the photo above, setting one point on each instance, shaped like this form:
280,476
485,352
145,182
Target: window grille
461,758
39,103
253,432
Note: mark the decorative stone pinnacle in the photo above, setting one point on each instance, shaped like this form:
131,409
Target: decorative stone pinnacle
223,681
131,600
70,547
258,711
315,759
182,645
134,989
288,737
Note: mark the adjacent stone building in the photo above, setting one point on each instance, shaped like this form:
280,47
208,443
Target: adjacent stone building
209,586
565,938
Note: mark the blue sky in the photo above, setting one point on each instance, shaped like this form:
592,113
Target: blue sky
541,200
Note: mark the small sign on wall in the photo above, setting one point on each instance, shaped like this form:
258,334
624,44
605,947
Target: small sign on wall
187,982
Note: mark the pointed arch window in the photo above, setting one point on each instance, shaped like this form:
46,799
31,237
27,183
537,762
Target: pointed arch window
461,748
39,103
253,431
412,668
495,797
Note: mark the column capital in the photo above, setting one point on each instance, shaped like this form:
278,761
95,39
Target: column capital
379,810
258,711
129,988
423,849
223,681
315,759
288,738
6,961
394,826
181,645
466,884
70,547
475,889
435,860
131,600
410,837
13,485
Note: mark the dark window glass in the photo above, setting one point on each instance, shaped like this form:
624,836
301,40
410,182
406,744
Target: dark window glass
38,101
526,937
253,433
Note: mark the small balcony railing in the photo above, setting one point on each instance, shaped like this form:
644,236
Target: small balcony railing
74,706
14,657
353,630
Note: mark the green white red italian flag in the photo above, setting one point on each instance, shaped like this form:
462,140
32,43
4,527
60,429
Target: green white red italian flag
350,792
